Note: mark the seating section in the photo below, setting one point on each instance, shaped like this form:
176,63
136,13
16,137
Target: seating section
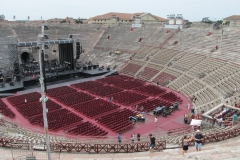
131,69
171,97
104,90
5,110
54,92
117,121
149,105
18,100
163,78
74,98
86,85
56,119
95,107
87,129
122,82
148,73
127,97
35,108
150,90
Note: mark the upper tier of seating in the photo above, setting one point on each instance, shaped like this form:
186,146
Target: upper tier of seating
18,100
57,119
86,85
74,98
87,129
117,121
5,110
150,90
128,97
54,92
35,108
95,107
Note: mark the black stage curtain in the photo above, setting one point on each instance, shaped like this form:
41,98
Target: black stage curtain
66,53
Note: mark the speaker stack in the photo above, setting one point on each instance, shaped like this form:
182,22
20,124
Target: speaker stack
78,50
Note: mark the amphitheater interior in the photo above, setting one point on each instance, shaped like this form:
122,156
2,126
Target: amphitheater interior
186,61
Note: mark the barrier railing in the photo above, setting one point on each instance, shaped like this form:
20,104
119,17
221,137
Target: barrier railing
83,147
219,136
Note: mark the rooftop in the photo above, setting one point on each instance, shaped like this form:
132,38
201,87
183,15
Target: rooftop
233,17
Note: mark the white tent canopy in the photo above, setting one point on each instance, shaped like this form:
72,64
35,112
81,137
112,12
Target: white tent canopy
196,122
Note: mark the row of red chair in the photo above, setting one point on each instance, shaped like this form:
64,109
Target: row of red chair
18,100
172,97
86,85
54,92
163,77
150,90
87,129
74,98
149,105
94,107
35,108
110,80
104,90
128,84
131,68
56,119
5,110
128,97
117,121
148,73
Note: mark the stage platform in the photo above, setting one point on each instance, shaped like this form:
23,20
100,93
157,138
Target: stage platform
18,86
52,78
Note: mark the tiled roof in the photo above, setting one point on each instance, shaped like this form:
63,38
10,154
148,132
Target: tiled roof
124,16
233,17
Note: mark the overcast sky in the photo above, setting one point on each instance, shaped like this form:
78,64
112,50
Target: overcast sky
193,10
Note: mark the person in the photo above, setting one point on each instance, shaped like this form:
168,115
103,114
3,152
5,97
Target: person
132,137
235,117
188,106
198,140
138,136
156,121
213,120
119,138
25,100
186,139
152,143
220,121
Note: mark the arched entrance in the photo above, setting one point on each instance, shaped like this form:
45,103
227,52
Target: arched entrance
25,56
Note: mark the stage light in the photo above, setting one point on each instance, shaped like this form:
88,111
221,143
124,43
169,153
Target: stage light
46,26
46,36
46,46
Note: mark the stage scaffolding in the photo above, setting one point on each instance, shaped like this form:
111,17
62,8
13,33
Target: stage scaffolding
8,55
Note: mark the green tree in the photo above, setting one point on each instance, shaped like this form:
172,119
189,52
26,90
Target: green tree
78,21
63,21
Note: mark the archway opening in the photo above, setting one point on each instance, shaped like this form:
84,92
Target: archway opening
25,56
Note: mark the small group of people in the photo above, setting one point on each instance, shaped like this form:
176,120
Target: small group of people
198,138
132,137
192,98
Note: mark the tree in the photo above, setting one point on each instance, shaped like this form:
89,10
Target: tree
219,21
2,17
63,21
78,21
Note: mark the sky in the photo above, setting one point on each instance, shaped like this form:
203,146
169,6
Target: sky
193,10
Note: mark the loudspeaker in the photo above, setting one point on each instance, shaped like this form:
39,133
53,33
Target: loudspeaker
78,50
89,67
84,68
94,66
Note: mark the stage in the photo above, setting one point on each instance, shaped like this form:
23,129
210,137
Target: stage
51,79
